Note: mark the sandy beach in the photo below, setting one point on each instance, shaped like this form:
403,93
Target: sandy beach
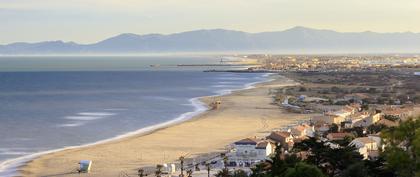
242,114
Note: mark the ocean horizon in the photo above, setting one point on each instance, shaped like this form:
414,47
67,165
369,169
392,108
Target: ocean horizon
79,101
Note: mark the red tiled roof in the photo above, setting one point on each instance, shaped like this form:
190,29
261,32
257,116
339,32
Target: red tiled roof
364,140
387,123
262,145
278,136
338,135
246,141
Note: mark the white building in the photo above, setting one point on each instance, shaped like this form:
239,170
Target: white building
249,151
365,146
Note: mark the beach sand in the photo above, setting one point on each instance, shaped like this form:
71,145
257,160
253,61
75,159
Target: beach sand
242,114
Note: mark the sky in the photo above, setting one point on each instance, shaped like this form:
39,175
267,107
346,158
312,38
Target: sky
89,21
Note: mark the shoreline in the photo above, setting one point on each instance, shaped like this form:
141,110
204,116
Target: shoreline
10,167
34,165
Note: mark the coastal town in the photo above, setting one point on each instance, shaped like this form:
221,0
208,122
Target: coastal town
221,88
353,103
327,115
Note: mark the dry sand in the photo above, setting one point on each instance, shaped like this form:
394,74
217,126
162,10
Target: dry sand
242,114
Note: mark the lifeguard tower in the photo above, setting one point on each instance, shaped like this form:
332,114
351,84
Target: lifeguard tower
215,104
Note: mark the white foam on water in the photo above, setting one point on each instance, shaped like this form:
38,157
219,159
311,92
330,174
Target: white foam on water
225,82
73,124
220,86
14,153
233,78
96,113
83,117
115,109
9,167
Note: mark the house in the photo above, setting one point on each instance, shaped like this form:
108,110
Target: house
358,120
364,146
399,112
264,149
285,139
387,123
338,136
248,151
329,119
310,130
352,108
298,131
302,131
365,120
377,138
340,113
375,118
361,122
347,124
321,127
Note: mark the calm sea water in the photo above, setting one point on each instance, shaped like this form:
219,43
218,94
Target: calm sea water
53,102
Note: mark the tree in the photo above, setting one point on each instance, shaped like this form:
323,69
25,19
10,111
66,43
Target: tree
260,170
304,170
181,159
375,128
158,171
355,170
208,168
313,146
240,173
302,89
391,118
330,161
276,163
140,173
334,128
402,149
336,160
281,165
224,173
189,173
365,107
376,168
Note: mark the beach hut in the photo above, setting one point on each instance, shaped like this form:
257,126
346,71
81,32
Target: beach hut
84,166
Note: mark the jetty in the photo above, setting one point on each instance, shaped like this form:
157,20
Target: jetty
214,65
245,71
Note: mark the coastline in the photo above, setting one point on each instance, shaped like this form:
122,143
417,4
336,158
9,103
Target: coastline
10,167
62,162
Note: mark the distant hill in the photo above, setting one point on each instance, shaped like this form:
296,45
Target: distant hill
297,39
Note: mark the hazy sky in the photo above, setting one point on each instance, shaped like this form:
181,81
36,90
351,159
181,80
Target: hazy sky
86,21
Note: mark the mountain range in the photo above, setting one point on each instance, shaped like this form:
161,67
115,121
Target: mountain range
294,40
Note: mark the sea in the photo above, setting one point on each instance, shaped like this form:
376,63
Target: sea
50,103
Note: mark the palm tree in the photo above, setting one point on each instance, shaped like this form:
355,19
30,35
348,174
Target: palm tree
182,158
223,173
158,171
141,173
189,173
208,166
